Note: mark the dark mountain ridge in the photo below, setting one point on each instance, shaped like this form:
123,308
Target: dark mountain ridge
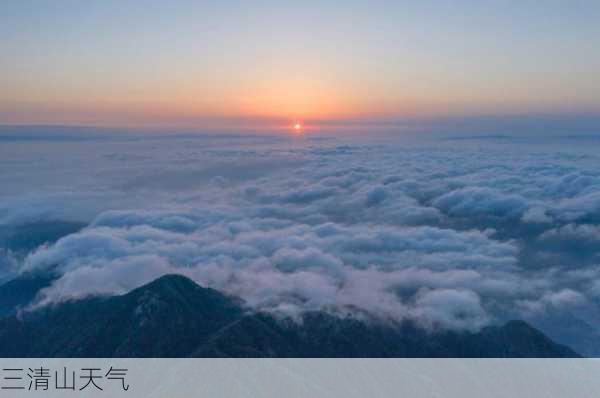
21,290
174,317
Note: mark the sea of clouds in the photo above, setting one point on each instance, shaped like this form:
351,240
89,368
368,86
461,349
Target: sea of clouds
455,234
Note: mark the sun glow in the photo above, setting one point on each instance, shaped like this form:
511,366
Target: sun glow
297,127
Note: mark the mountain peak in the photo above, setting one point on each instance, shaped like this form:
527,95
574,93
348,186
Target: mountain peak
170,281
173,316
180,293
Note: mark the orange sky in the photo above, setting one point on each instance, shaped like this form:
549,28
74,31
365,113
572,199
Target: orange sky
213,65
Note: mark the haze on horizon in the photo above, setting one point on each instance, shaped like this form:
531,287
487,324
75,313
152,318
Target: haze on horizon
268,64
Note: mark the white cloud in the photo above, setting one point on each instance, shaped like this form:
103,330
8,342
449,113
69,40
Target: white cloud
450,236
476,201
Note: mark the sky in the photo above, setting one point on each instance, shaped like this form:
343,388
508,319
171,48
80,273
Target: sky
268,64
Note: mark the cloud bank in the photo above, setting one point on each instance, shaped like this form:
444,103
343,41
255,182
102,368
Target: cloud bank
451,235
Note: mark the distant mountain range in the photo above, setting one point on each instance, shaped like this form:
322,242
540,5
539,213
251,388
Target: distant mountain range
174,317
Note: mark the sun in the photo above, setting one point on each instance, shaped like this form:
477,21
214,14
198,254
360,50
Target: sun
297,127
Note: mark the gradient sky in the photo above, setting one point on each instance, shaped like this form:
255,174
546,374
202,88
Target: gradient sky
238,63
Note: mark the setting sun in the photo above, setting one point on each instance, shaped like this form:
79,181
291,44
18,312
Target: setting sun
297,127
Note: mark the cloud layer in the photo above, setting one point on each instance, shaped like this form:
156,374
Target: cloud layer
451,235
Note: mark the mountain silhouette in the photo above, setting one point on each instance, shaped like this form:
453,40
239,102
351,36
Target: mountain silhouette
174,317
